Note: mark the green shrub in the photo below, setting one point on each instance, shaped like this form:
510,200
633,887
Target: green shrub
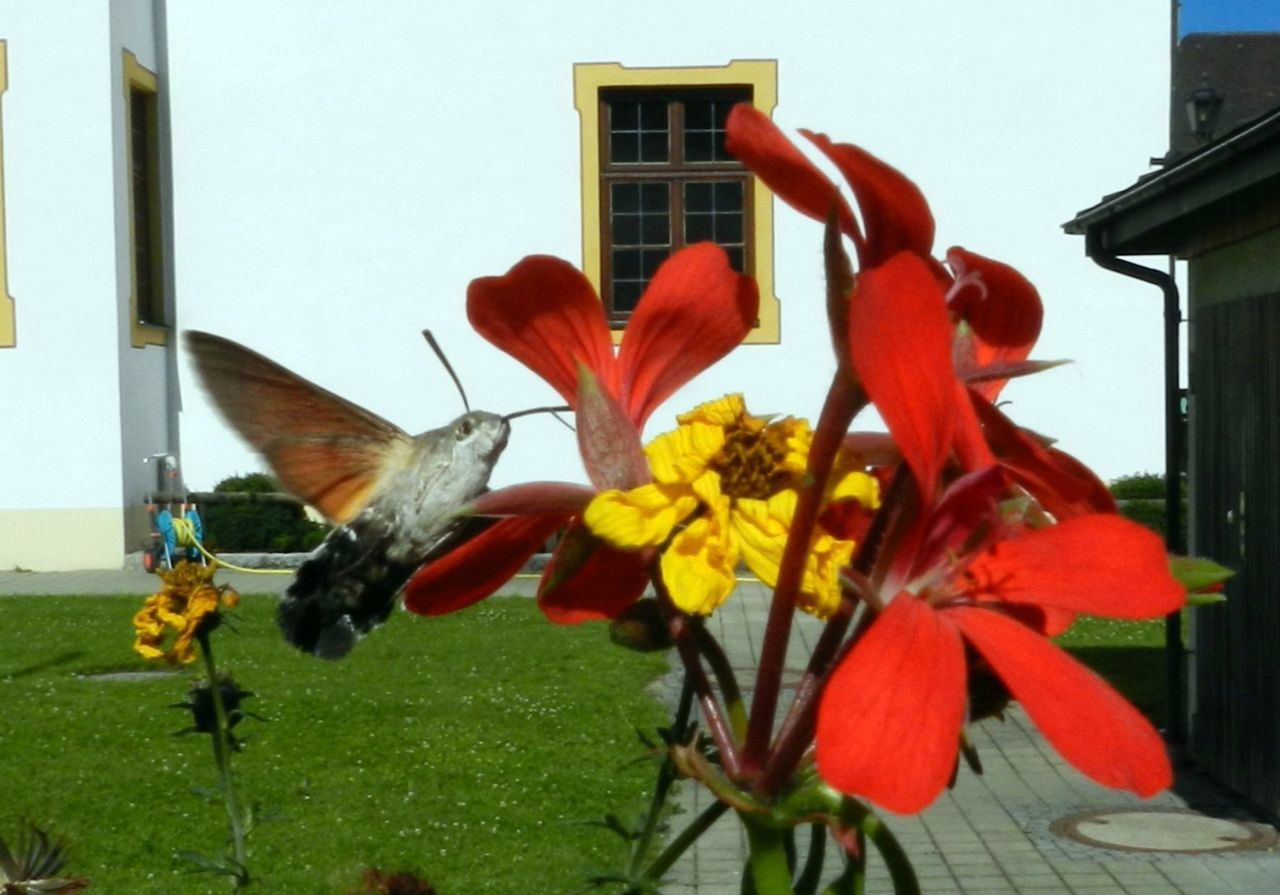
257,526
1142,499
1139,486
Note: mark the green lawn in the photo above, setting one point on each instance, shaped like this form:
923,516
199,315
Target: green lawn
1128,654
470,749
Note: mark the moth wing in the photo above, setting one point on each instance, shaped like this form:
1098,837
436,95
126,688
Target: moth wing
326,450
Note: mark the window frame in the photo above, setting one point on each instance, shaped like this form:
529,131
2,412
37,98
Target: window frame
592,83
140,81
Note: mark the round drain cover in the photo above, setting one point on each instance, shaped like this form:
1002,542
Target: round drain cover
1163,830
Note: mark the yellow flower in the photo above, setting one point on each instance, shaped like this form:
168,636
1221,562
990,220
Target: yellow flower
188,602
724,490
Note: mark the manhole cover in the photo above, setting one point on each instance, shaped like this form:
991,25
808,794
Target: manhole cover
1163,831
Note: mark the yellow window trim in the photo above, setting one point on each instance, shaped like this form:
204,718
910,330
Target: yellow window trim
137,77
588,80
8,326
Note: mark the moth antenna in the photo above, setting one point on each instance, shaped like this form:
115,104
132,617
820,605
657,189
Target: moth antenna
435,346
554,411
551,410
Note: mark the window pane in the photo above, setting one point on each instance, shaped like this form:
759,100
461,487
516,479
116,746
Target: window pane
625,198
638,131
698,197
735,258
704,121
653,146
699,146
699,227
652,260
728,195
626,264
626,295
729,229
655,198
624,146
656,228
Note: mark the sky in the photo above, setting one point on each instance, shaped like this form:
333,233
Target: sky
1196,16
339,179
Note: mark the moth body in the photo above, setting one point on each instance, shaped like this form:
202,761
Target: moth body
395,498
351,582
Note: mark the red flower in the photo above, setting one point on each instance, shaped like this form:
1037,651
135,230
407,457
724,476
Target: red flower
969,330
545,314
891,715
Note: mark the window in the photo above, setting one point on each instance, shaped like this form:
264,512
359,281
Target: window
149,318
656,177
8,337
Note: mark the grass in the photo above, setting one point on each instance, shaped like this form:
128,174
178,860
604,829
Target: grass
1130,655
471,749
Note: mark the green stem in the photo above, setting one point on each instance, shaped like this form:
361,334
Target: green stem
666,777
767,870
871,827
222,755
687,837
811,874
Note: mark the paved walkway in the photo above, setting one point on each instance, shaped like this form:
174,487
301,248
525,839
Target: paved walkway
991,834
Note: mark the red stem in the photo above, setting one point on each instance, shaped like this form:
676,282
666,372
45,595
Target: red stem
843,402
686,645
796,732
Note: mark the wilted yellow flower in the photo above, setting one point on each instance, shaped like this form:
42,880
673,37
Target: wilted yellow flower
187,603
725,489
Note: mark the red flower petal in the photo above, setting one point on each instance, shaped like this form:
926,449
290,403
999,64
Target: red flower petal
480,566
1062,484
755,141
890,717
1001,307
972,449
894,211
545,314
695,310
1099,564
900,341
533,499
1090,724
602,584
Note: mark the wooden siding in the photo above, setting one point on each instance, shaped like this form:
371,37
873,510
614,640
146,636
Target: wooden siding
1235,388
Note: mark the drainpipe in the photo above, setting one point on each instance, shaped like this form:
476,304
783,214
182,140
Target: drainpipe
1175,693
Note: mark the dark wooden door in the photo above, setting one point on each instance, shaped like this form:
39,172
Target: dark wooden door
1235,388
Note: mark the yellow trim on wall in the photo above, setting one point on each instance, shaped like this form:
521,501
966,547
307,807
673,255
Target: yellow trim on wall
137,77
8,324
588,80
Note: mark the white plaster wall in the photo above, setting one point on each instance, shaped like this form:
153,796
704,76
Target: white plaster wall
58,386
343,171
143,425
60,482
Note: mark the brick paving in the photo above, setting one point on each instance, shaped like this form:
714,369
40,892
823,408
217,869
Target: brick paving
989,835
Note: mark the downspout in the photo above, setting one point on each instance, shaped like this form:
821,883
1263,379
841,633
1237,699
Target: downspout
1175,692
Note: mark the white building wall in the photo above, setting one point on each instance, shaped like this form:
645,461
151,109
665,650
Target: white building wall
80,406
59,394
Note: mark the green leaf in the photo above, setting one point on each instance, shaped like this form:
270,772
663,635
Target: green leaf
1197,574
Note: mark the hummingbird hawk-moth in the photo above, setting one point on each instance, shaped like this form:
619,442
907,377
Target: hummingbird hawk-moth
393,497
